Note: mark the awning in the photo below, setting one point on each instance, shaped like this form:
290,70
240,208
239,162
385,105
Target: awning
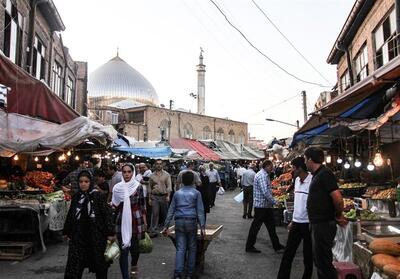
202,150
152,152
24,134
29,96
379,80
237,151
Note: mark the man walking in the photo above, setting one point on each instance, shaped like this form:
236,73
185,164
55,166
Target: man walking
143,178
188,209
190,167
215,181
325,209
247,185
299,228
263,203
160,189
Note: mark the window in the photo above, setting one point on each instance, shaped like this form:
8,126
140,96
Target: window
39,62
188,131
69,92
386,47
344,81
114,118
164,129
241,138
231,136
57,78
136,117
361,64
220,134
207,134
13,33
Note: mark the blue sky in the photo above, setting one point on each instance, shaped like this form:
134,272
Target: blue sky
162,39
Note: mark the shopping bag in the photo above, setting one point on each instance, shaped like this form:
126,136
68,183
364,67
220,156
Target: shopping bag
343,247
239,197
112,252
221,191
146,244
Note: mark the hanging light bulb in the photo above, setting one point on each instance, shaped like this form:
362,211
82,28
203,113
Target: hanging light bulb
69,153
133,156
378,160
357,164
347,165
388,161
76,158
62,157
328,159
339,160
36,159
46,159
16,158
370,166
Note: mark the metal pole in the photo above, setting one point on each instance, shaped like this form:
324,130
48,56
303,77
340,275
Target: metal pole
298,124
304,95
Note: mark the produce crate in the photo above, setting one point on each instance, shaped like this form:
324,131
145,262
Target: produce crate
353,192
16,251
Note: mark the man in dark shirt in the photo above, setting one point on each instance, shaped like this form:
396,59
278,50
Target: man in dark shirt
325,210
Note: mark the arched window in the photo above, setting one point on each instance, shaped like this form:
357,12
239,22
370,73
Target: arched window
188,131
220,134
231,136
242,137
164,129
207,134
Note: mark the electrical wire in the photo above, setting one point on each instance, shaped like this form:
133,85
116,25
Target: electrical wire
262,53
290,43
275,105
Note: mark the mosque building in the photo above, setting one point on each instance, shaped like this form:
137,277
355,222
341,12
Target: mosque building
119,95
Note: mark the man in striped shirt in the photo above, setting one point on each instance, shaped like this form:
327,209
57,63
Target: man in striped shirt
263,209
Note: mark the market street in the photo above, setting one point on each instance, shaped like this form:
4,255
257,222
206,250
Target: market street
225,257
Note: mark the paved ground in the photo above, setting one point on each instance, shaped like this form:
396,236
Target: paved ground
225,257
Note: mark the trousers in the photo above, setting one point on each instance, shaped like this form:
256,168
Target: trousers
298,232
124,257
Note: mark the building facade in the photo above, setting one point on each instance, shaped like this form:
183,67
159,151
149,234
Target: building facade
367,42
29,36
156,123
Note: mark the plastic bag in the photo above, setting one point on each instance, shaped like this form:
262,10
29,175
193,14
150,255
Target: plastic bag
343,248
239,197
221,191
146,244
112,252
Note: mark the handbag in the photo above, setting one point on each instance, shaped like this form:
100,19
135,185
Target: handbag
112,252
145,244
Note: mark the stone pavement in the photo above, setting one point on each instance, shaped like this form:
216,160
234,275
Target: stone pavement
225,257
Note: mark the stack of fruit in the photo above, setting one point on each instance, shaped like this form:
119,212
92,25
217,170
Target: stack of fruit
389,194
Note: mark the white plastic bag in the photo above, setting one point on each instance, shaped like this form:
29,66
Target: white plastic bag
221,191
239,197
343,248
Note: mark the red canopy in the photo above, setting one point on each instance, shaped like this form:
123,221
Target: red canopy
205,152
29,96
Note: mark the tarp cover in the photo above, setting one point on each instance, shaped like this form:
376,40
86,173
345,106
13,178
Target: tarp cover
23,134
203,151
29,96
151,152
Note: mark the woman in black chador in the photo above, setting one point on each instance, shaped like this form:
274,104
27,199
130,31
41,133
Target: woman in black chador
88,226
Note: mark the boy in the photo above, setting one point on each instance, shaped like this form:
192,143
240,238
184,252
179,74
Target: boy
187,207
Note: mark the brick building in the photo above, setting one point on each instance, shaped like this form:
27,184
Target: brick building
367,42
120,95
30,37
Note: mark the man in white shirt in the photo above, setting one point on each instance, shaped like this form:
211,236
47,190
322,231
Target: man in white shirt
299,228
247,185
143,177
190,167
215,182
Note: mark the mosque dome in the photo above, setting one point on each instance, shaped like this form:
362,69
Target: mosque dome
117,80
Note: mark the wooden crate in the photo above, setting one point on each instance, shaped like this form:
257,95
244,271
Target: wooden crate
16,251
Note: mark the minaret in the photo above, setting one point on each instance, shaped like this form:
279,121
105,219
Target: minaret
201,85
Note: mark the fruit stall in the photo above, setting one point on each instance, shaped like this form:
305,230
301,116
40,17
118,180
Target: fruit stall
283,209
29,205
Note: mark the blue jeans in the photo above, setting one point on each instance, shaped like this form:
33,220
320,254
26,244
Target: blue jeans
124,256
186,240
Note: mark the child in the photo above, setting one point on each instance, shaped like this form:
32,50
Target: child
187,207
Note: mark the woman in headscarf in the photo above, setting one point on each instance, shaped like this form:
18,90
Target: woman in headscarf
129,201
88,226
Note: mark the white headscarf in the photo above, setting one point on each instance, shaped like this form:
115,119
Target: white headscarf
121,193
